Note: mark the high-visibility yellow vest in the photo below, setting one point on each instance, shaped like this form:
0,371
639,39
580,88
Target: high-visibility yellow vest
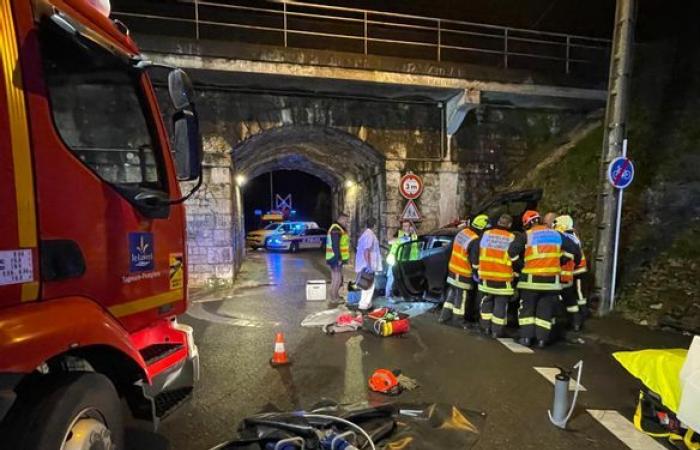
494,263
344,244
542,259
401,238
459,269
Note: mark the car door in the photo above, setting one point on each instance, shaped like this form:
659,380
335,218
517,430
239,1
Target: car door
409,275
436,259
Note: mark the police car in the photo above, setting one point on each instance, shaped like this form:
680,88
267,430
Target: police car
310,238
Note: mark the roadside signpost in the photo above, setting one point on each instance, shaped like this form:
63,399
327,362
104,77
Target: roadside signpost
411,187
620,175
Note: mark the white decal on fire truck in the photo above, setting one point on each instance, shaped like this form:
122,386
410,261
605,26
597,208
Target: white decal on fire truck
16,267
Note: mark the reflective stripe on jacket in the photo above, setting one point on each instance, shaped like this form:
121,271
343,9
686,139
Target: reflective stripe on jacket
542,260
459,266
344,244
495,267
570,268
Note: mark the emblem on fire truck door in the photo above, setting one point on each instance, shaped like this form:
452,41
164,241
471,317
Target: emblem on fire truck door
141,252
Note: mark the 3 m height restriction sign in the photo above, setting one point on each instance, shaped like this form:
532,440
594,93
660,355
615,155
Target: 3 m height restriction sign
411,186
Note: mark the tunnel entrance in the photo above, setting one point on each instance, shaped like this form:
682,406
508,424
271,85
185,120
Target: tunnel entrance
353,171
310,197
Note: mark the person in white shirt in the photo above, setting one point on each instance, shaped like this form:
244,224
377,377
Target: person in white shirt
368,259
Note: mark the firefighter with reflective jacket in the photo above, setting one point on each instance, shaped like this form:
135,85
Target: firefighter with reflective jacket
494,270
571,274
541,252
459,270
407,233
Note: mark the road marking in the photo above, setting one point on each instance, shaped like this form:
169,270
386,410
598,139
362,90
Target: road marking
514,346
624,430
550,372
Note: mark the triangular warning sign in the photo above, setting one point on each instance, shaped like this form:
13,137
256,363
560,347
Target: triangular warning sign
410,212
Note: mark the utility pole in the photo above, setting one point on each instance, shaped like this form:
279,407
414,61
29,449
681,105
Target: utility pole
615,133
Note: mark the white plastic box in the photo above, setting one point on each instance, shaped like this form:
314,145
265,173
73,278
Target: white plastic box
316,290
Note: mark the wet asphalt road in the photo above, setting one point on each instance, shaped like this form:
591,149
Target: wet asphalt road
235,331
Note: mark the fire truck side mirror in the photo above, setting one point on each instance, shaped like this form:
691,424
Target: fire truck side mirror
180,89
187,145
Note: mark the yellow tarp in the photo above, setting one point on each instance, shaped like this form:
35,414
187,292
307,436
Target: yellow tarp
659,370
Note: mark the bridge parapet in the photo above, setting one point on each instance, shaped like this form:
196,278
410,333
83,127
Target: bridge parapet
437,43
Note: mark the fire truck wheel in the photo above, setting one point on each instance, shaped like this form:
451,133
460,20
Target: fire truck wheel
70,411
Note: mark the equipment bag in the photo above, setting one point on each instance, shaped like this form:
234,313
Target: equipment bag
364,280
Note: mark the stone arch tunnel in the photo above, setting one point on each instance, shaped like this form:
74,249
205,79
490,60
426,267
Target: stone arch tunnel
350,167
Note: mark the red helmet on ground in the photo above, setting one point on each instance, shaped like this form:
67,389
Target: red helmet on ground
529,216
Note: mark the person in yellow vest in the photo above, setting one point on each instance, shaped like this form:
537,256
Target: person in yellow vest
494,270
459,270
571,273
541,252
407,233
337,254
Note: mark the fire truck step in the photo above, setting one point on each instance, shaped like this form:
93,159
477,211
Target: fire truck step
156,352
168,401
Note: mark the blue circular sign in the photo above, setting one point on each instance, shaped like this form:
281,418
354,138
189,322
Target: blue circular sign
621,172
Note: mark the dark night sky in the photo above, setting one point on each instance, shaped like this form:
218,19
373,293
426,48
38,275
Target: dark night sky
310,195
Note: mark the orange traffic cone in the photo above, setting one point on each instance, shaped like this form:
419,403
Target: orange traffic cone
279,357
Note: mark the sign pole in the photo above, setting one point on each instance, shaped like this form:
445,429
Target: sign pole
618,221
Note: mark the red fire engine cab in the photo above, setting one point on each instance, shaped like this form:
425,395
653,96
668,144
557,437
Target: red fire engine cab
93,263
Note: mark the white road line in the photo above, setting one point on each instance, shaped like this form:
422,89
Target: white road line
624,430
550,372
514,346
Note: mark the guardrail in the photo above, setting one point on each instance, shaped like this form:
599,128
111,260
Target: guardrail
309,25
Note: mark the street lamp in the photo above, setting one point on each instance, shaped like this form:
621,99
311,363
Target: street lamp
240,180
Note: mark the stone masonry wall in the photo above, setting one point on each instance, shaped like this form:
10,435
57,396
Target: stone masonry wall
491,142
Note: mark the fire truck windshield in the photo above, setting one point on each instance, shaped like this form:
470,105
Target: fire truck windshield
100,112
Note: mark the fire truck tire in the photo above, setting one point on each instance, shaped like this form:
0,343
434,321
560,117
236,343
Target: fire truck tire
67,411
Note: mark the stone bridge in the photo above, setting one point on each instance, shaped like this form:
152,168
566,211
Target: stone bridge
358,122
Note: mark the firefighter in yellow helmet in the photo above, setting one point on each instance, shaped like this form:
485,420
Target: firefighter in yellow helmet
494,270
459,270
571,273
541,252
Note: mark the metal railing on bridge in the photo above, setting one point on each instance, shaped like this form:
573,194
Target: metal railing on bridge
308,25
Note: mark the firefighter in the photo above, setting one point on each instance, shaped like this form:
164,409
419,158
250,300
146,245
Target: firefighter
541,252
407,233
337,253
571,275
494,270
459,271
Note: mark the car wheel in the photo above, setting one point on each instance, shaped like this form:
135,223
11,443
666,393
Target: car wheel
73,410
294,247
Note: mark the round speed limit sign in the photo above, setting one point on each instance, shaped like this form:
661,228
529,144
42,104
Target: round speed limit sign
411,186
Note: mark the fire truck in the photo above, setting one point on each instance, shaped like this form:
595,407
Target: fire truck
92,229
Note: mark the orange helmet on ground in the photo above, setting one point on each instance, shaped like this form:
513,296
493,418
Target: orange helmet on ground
529,216
384,381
